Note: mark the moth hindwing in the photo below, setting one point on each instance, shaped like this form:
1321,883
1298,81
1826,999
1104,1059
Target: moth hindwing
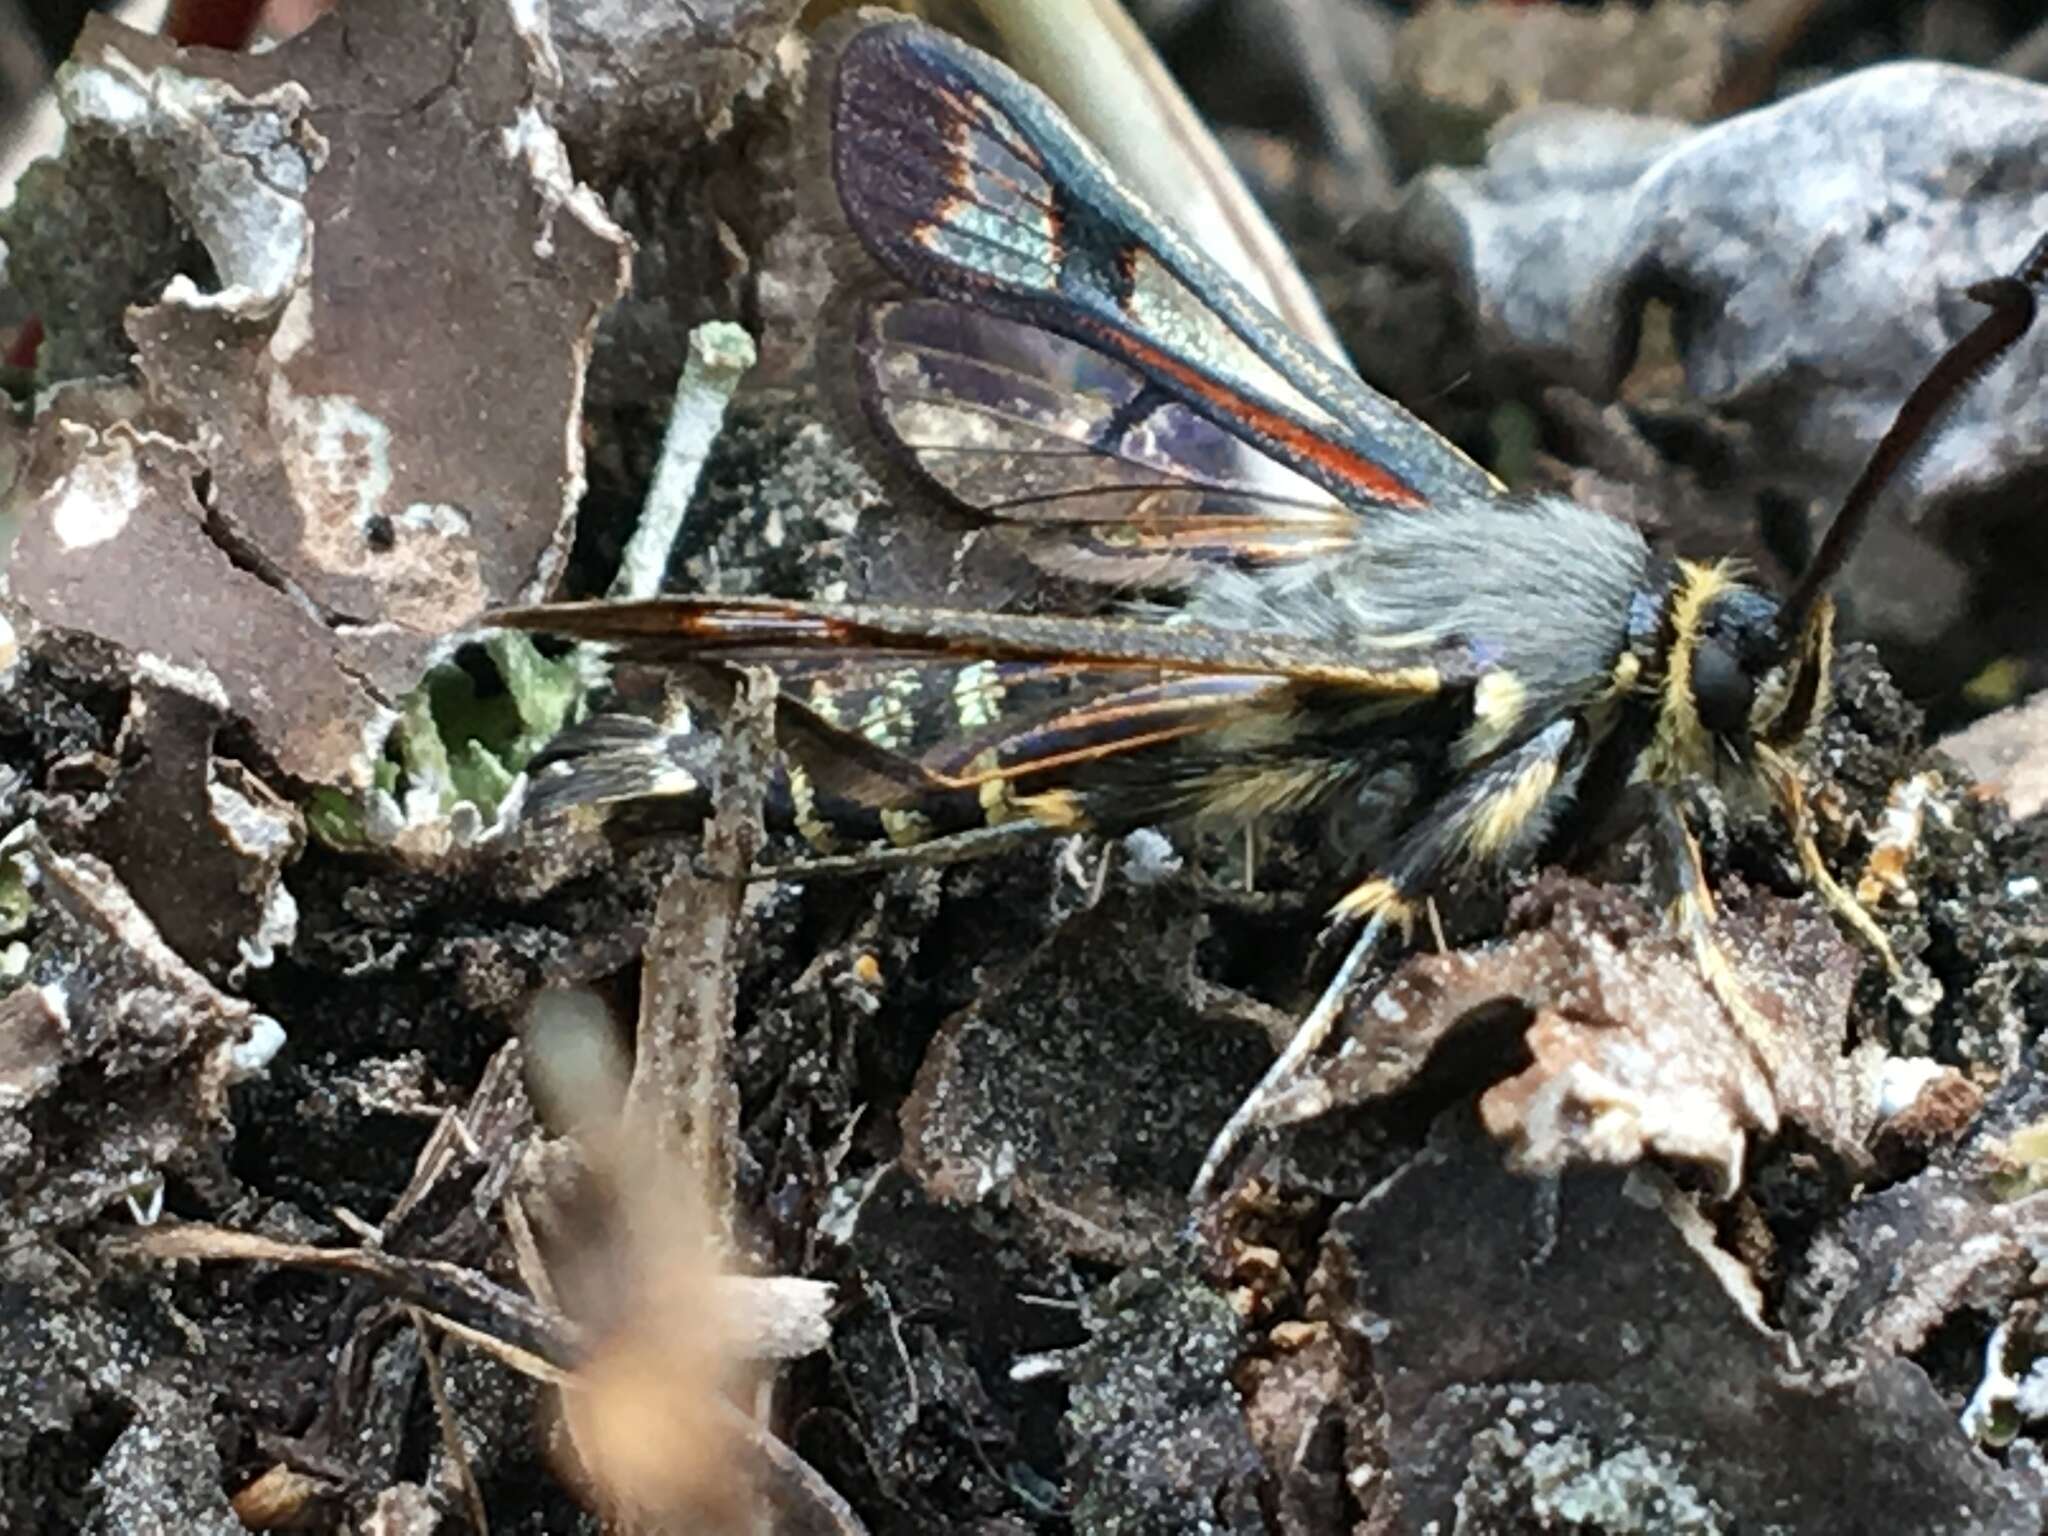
1298,598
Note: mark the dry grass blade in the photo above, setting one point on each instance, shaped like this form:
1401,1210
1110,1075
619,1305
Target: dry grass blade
449,1290
620,1395
1092,59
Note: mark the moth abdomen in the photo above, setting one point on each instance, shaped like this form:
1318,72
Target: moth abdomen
622,760
613,758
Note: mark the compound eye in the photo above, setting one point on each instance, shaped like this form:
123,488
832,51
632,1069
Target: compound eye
1722,691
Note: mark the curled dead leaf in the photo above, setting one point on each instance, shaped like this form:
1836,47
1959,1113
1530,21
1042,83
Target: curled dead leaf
1633,1053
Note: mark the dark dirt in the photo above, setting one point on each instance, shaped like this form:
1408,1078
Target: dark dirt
278,979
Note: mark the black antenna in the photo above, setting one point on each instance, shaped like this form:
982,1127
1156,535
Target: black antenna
2013,302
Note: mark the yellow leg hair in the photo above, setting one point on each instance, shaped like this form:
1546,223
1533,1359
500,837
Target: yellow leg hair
1479,824
1799,821
1692,913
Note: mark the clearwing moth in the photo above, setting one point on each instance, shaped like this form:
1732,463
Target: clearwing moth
1340,613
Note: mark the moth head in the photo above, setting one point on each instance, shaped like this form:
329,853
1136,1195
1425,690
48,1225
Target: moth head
1738,678
1729,686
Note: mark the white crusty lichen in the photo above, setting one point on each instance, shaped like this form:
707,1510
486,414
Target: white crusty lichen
1633,1489
236,167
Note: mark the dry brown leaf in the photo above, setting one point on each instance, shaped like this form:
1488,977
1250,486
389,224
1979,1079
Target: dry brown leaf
1632,1051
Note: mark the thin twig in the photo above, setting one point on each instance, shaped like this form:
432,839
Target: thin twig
682,1097
451,1430
433,1285
807,1502
548,1346
682,1092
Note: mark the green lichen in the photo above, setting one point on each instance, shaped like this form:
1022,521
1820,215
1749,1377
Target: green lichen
334,818
2024,1162
461,743
17,905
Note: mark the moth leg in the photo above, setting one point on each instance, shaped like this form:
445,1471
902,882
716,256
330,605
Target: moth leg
1798,815
952,848
1683,874
1308,1037
1436,926
1693,914
1495,812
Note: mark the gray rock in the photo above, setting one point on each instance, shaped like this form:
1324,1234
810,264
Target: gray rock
1582,1355
1813,255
